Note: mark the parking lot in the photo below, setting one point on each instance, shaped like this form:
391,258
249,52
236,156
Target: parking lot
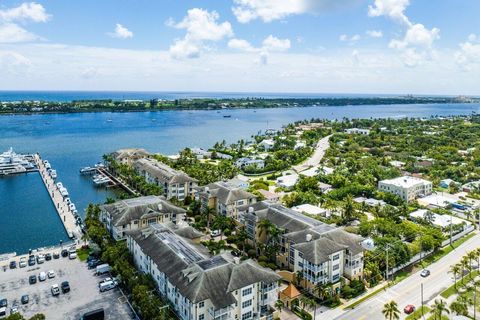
84,294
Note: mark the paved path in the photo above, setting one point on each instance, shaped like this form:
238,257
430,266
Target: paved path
317,156
408,291
61,206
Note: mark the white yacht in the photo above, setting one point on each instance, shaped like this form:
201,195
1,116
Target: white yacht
53,174
11,162
63,192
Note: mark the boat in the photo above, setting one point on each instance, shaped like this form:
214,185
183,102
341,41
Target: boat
63,192
70,235
59,185
86,170
99,181
227,116
47,165
11,162
72,207
53,174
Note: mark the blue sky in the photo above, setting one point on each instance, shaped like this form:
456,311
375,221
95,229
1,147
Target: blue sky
322,46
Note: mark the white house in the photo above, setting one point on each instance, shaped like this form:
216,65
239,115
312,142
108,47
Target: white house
406,187
266,144
287,181
357,131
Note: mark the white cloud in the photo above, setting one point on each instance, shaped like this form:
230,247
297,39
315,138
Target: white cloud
270,10
417,44
272,43
14,63
65,67
121,32
352,39
27,11
468,55
394,9
200,25
269,44
374,33
242,45
472,37
11,32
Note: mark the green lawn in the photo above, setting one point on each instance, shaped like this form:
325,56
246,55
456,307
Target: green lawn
418,313
452,290
82,254
443,252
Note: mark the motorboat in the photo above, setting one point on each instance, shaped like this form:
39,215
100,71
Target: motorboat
59,185
53,174
11,162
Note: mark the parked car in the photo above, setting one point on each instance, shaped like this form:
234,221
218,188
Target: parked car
102,269
3,303
72,255
23,262
48,257
31,260
93,263
3,312
55,290
107,285
25,299
410,308
425,273
56,255
42,276
51,274
40,258
65,287
64,253
13,264
32,279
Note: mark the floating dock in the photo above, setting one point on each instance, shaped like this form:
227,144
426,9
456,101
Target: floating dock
66,215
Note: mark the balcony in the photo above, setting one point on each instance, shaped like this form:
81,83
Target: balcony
220,314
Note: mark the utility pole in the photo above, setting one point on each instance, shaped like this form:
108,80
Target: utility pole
451,230
475,303
421,286
386,276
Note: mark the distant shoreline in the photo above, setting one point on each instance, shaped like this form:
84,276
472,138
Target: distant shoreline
154,105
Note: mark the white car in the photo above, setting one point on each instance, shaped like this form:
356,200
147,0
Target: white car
23,262
55,290
51,274
215,233
72,255
42,276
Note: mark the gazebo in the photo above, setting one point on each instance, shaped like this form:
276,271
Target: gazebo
289,294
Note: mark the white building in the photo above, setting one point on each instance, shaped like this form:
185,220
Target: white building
310,209
440,220
248,162
287,181
138,213
267,144
175,183
201,287
406,187
357,131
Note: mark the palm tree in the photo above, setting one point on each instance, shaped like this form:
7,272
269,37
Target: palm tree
464,265
455,270
264,227
279,305
208,212
438,308
459,308
322,291
390,311
299,277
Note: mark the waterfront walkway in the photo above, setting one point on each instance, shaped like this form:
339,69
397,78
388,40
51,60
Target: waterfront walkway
63,210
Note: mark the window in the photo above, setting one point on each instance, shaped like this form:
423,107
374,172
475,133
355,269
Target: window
201,317
247,315
335,267
201,304
246,292
336,257
336,277
246,304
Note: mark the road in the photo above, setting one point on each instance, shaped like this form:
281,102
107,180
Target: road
317,156
408,291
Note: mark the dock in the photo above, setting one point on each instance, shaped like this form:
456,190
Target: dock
117,181
62,208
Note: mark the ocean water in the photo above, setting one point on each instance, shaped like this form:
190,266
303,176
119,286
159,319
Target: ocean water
29,219
72,141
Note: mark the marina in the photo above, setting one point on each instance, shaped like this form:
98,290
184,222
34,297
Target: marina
13,163
59,194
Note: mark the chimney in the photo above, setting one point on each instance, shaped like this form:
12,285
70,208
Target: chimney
251,210
236,260
309,237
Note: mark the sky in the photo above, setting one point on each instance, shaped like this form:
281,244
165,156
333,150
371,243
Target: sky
303,46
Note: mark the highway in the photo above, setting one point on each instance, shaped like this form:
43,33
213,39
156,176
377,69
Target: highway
408,291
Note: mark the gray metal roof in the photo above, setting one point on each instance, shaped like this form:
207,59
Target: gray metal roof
161,171
226,193
319,251
125,211
198,276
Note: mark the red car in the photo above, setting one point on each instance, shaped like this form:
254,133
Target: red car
409,309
